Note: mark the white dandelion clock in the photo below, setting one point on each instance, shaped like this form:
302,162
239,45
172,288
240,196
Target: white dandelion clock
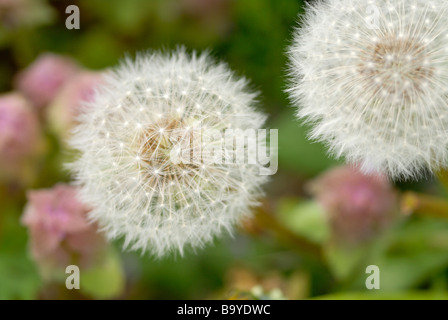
372,78
134,135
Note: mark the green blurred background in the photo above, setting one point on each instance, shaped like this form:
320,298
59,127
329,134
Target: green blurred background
252,36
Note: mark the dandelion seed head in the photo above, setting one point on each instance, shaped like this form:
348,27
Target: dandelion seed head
169,204
387,115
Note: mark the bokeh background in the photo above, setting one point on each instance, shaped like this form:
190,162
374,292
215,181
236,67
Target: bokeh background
319,227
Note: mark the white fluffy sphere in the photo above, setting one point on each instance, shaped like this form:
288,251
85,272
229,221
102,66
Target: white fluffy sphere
127,137
372,78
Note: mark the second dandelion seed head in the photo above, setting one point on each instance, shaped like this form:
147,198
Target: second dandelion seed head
371,77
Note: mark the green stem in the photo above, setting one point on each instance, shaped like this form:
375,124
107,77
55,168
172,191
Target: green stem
417,203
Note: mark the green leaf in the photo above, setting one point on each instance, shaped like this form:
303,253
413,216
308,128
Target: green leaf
409,255
416,252
305,218
105,280
344,260
18,277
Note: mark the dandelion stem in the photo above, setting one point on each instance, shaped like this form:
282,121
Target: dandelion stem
422,204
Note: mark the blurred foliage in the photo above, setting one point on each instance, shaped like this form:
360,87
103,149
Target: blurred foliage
252,36
18,277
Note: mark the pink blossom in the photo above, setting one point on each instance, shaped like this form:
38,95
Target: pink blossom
43,79
65,108
59,229
358,205
19,129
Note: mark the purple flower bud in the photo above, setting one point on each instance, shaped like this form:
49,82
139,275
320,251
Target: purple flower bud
59,229
358,205
43,79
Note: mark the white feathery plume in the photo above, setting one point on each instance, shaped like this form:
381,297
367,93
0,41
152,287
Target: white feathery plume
371,77
128,134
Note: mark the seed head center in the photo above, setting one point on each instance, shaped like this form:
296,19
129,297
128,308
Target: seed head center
157,147
397,67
